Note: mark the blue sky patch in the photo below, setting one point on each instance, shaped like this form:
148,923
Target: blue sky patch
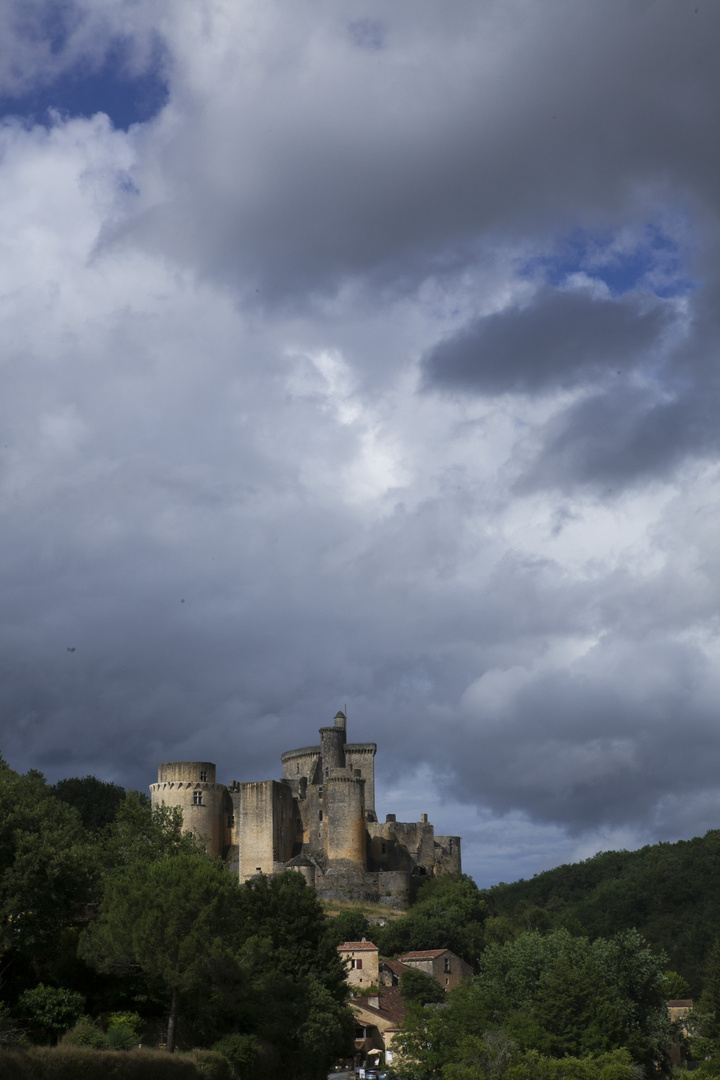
650,260
126,98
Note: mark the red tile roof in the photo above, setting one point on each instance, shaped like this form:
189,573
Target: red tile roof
423,954
358,946
391,1004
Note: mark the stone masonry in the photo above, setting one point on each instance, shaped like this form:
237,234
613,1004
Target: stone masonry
319,820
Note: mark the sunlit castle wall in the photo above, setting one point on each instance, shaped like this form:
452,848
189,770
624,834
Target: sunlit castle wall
190,785
345,838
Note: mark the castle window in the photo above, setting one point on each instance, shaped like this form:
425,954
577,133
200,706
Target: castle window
203,777
230,821
320,816
197,798
319,793
383,848
451,847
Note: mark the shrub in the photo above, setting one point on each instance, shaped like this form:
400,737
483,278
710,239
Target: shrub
50,1010
211,1064
243,1053
85,1033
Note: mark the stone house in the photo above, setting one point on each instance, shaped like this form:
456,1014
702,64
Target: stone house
361,963
444,966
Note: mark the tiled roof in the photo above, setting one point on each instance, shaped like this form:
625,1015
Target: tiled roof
391,1005
679,1003
423,954
358,946
395,966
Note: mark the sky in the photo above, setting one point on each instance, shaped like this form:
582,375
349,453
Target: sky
365,355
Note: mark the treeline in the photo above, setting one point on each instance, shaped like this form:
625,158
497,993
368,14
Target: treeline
669,892
117,929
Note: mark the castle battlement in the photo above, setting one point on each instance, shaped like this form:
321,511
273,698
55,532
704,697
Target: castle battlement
318,820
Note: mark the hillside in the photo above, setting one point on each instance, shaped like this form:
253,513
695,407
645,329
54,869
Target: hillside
669,892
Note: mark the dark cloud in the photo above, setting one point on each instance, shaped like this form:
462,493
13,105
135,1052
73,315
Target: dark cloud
560,339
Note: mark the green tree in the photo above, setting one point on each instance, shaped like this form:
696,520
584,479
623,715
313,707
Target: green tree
97,801
449,914
417,986
172,919
142,833
49,1010
348,925
49,870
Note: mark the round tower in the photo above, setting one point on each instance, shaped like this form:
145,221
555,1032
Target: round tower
346,833
190,785
332,745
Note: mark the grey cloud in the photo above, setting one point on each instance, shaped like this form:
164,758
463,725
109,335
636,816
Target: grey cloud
560,339
599,744
411,157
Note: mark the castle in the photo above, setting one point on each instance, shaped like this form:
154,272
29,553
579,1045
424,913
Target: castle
319,820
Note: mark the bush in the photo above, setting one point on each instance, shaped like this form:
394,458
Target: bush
50,1010
212,1065
10,1032
82,1063
243,1053
85,1033
131,1020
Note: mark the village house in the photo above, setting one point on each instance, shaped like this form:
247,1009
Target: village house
444,966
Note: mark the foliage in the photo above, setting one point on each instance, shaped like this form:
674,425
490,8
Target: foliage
50,1011
121,1037
76,1062
555,994
11,1034
168,918
97,801
417,986
140,833
126,1019
348,925
449,914
244,1054
211,1065
669,892
48,869
85,1033
614,1066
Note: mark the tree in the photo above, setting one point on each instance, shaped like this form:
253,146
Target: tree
97,801
48,868
348,925
417,986
556,995
50,1010
449,914
171,918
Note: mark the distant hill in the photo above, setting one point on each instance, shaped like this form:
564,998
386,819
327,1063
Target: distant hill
669,892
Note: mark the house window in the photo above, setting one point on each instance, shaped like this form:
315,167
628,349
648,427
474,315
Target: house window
203,777
197,798
447,964
358,965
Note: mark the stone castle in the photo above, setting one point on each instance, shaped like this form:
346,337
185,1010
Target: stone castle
318,820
